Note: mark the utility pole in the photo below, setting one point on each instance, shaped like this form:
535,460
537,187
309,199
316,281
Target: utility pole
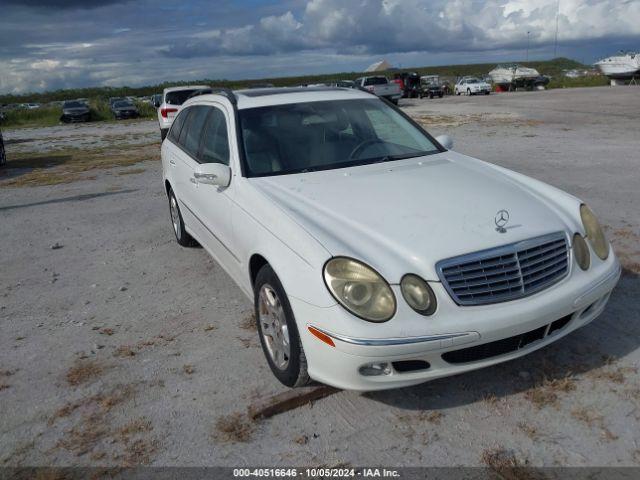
528,45
555,43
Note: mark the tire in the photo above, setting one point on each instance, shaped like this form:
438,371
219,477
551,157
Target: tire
468,92
182,237
395,101
163,133
282,348
430,95
440,95
458,92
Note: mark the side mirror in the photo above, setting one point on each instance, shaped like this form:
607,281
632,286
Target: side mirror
213,174
446,141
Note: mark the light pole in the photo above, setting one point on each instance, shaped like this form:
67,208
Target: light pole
528,45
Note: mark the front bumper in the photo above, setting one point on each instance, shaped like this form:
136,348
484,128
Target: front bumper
576,300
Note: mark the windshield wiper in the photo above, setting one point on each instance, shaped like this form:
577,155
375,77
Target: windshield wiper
400,156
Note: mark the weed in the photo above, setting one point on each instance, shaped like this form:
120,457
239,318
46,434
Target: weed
83,371
546,392
234,428
249,322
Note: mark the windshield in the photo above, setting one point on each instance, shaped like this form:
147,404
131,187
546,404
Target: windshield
72,105
122,104
178,97
472,80
305,137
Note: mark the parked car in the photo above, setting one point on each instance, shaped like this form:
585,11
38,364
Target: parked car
430,86
344,84
113,100
342,220
75,111
381,87
472,86
122,109
3,155
172,98
156,99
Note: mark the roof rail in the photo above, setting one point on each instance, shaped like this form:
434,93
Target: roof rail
227,92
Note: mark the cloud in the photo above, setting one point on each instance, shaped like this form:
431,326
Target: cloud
64,4
388,26
57,44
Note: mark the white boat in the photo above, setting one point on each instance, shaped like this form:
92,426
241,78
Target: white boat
623,66
511,74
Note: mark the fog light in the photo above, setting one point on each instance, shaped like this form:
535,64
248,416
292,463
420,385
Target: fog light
375,369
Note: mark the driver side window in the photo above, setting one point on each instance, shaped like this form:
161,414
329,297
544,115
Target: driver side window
215,144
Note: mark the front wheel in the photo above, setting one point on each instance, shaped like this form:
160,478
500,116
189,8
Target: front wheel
468,92
278,330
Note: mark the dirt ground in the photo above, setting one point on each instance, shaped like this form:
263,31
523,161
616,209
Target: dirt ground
118,347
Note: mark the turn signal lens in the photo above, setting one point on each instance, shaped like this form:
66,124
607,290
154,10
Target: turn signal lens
418,294
594,232
360,289
581,251
321,336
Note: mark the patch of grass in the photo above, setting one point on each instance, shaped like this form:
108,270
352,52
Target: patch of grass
546,393
249,322
124,351
529,430
139,425
132,171
83,371
593,419
506,465
38,117
235,428
69,165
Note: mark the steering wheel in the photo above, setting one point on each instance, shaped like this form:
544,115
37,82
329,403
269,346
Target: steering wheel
363,144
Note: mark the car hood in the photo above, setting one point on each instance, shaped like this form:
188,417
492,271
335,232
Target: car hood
404,216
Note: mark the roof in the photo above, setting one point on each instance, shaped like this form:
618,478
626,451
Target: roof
184,87
264,97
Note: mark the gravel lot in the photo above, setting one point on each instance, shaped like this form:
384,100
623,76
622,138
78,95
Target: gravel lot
117,347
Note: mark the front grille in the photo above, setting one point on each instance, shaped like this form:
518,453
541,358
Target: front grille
506,273
506,345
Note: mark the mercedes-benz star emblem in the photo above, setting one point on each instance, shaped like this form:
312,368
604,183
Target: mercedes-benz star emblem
501,219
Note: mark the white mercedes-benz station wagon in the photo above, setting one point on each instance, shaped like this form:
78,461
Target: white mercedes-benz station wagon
375,255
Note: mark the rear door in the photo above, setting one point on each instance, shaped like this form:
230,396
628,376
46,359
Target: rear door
185,158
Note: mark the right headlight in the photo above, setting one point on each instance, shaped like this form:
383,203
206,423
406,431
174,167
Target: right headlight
594,232
360,289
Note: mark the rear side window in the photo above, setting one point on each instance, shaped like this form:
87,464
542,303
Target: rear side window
376,81
178,97
215,144
176,126
192,130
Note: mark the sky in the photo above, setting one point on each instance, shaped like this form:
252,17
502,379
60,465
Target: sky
48,45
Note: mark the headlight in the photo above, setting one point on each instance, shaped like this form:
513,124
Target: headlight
360,289
594,232
418,294
581,251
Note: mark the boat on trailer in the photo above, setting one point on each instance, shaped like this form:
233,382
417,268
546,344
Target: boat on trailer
623,66
514,75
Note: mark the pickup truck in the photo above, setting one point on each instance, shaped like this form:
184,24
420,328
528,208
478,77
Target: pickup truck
381,87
